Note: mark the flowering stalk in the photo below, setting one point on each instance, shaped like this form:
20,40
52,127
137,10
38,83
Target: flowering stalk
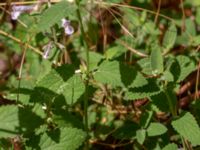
86,96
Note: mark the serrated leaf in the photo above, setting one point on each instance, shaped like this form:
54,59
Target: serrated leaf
126,131
108,73
54,14
156,60
187,65
15,120
170,37
115,52
145,65
65,119
156,129
150,28
73,89
118,74
60,81
62,139
131,78
140,136
182,67
94,59
145,91
170,147
187,127
146,118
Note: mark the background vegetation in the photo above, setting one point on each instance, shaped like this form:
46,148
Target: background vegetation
99,75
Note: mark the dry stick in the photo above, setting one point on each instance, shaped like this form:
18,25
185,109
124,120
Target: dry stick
197,82
29,2
158,11
20,42
4,11
132,49
111,145
122,26
20,69
137,8
186,86
183,17
124,44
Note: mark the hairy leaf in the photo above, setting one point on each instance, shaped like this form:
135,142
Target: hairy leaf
62,139
170,37
15,121
117,74
145,91
182,67
187,127
54,14
170,147
61,81
156,129
156,60
141,135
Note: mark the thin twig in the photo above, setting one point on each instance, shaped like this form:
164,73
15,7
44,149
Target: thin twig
19,41
158,11
29,2
197,82
137,8
132,49
183,17
111,145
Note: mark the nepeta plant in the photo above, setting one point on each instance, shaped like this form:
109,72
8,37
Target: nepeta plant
100,75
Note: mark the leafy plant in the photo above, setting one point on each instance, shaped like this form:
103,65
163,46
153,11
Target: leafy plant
99,75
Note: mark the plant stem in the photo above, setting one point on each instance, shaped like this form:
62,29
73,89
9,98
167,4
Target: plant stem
84,37
87,74
170,102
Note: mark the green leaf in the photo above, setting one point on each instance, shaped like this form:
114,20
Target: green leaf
117,74
126,131
62,139
146,118
150,28
9,121
95,58
170,147
60,81
54,14
108,73
140,136
187,127
15,121
131,17
115,52
182,67
156,129
131,78
156,61
170,37
145,91
145,65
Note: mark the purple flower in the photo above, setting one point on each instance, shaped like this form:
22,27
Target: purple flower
15,15
17,10
67,27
